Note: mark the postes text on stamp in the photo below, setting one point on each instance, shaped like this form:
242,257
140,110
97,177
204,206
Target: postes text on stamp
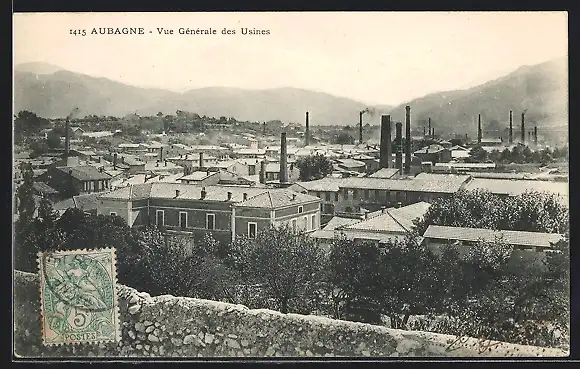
78,296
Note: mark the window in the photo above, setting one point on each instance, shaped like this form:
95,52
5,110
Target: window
313,219
300,209
367,195
160,218
319,194
183,219
336,196
210,221
252,229
305,222
294,225
328,196
113,213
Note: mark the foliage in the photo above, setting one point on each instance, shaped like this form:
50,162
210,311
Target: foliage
27,124
530,211
314,167
53,140
343,138
288,264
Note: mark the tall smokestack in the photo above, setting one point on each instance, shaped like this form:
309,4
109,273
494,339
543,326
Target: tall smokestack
478,128
307,134
430,134
264,128
360,127
263,171
398,148
523,128
283,159
535,135
511,137
385,150
407,139
424,131
201,160
67,139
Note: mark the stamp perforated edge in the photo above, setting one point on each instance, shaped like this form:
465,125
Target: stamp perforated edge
116,310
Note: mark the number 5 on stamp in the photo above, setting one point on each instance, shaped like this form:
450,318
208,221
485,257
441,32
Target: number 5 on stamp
78,296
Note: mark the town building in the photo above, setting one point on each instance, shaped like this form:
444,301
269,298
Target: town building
529,246
224,211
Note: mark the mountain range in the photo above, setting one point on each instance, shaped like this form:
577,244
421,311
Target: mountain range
50,91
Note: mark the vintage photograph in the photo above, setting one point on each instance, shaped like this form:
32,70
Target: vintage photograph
290,184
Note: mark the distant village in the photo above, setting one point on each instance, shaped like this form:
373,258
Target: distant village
373,192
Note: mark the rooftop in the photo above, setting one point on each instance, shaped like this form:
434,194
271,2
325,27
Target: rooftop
324,184
85,173
385,173
398,220
256,197
273,199
517,238
517,187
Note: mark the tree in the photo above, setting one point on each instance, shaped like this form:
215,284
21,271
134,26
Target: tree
406,292
53,140
354,274
27,123
478,154
344,139
530,211
25,194
314,167
287,264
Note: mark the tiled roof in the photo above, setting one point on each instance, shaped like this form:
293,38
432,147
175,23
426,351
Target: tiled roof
517,187
197,176
432,149
339,222
324,184
85,173
351,163
393,220
273,199
87,202
44,188
442,184
518,238
385,173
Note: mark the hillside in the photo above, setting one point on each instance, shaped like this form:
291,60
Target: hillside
541,89
56,94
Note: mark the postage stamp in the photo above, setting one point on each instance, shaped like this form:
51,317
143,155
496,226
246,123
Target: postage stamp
79,296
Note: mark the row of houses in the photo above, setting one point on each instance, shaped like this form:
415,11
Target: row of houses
360,194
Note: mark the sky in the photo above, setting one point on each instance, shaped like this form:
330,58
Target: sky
373,57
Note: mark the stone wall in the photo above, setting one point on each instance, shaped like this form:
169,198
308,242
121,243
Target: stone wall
167,326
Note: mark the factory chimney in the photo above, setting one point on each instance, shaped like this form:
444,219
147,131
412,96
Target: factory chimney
360,126
523,128
283,159
511,139
398,147
263,172
407,139
264,128
201,160
385,150
307,133
67,139
535,135
479,128
424,131
430,134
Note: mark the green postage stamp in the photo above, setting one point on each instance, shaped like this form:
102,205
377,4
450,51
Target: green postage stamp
79,296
